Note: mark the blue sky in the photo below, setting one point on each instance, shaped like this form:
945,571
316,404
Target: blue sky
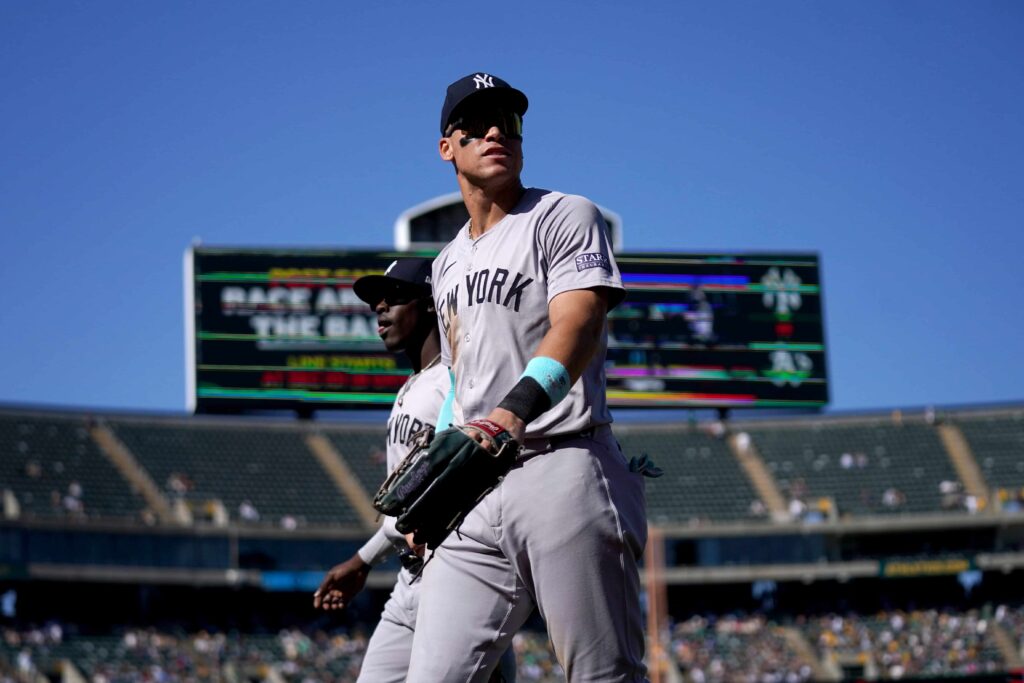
885,135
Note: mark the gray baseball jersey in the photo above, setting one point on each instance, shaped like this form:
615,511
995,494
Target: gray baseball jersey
492,298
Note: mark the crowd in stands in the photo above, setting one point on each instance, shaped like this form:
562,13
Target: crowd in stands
535,658
320,657
745,649
150,656
733,648
907,644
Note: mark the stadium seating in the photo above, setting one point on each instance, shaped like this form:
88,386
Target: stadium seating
997,441
321,657
362,449
266,474
857,463
55,469
736,648
702,480
535,658
255,470
134,655
890,644
1012,620
906,644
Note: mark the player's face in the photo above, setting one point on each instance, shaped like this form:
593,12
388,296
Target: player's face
398,318
486,146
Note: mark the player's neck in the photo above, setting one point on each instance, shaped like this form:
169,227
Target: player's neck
428,352
488,205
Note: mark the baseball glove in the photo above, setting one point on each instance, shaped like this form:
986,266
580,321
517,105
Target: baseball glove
435,487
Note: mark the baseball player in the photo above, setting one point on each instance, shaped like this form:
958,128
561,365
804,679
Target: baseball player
523,293
406,322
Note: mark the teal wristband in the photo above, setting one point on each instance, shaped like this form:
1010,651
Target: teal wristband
551,376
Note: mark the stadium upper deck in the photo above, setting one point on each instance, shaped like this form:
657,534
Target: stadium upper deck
319,475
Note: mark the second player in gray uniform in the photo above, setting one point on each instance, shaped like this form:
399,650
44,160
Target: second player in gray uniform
406,322
522,296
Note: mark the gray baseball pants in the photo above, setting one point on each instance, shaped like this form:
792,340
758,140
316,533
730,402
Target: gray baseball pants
390,647
563,532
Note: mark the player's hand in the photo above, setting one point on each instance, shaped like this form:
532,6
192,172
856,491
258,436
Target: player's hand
507,419
418,548
342,583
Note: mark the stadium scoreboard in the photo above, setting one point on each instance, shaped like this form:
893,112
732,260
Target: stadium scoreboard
283,329
718,330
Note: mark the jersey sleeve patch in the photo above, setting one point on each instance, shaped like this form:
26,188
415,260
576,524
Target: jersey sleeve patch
594,259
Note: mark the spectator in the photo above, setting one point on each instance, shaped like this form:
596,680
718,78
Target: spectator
72,501
1014,501
971,504
247,512
179,484
952,495
33,470
893,498
743,441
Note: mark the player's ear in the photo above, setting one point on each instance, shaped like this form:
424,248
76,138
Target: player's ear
445,148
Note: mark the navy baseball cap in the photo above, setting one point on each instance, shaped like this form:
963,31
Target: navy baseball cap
478,86
407,276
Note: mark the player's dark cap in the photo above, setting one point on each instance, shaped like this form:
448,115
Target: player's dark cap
406,276
479,86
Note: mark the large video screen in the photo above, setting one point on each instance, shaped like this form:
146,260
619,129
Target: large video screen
282,329
718,330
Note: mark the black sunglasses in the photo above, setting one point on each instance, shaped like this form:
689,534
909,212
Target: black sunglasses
398,295
476,124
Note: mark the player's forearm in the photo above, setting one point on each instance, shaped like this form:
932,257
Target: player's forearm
577,320
396,537
377,549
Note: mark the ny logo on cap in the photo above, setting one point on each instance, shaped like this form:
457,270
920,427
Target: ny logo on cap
483,81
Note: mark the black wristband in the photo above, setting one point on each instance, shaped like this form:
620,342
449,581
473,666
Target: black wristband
527,400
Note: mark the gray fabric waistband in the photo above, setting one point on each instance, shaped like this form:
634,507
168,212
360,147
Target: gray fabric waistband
544,444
